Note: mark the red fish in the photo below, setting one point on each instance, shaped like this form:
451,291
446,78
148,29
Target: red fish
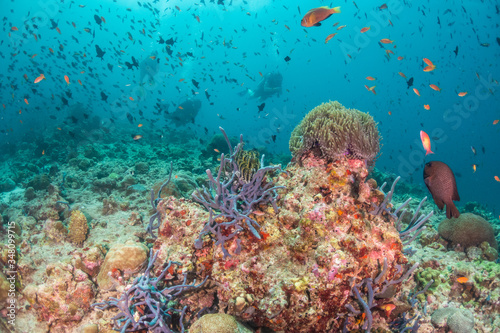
441,182
316,15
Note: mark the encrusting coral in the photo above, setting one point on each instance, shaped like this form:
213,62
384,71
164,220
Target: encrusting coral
336,131
78,227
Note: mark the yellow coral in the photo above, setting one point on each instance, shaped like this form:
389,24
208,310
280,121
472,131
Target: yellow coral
336,131
78,227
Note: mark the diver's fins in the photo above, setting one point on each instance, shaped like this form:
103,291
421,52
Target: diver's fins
248,92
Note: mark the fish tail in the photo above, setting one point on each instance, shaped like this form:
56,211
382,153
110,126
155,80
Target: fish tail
429,152
452,211
336,10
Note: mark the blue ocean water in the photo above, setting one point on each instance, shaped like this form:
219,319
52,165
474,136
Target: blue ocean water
229,46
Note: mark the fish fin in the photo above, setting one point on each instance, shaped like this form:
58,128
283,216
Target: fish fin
439,203
455,195
451,210
336,10
427,181
317,24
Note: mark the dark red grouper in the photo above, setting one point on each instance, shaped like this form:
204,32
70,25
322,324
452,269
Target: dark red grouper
441,182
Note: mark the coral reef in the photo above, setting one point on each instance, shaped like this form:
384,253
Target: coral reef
150,303
78,227
336,132
122,260
315,247
65,296
230,199
467,230
7,185
218,323
4,290
310,254
457,320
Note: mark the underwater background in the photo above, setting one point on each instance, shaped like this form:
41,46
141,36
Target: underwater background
232,43
102,102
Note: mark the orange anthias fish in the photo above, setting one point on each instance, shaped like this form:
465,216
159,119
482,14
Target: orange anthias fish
415,90
330,36
462,94
66,78
372,89
371,78
40,78
386,41
496,121
497,179
430,66
365,29
316,15
427,107
402,75
462,279
433,86
426,142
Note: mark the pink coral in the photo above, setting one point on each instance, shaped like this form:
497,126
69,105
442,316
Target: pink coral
320,240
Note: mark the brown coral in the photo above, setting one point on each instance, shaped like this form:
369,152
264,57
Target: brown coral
336,131
467,230
78,227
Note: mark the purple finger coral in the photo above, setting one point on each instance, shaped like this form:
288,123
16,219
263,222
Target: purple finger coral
232,196
151,303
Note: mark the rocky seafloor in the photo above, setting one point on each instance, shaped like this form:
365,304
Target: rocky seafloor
318,259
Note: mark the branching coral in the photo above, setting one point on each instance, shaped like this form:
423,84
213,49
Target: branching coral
337,132
417,222
230,198
375,289
149,304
